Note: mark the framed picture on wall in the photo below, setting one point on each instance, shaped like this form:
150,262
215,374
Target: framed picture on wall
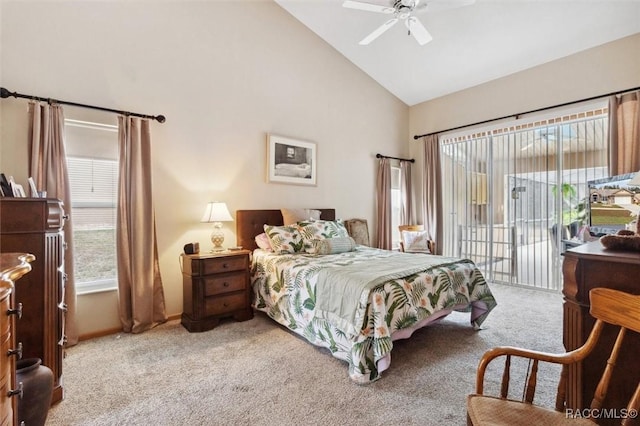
291,161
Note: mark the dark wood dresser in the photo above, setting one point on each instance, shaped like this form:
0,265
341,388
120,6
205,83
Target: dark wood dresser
586,267
12,267
34,225
215,286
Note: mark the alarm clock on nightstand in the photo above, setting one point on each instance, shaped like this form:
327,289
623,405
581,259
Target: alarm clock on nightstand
192,248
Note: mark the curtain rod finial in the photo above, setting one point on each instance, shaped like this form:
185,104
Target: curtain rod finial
4,93
161,118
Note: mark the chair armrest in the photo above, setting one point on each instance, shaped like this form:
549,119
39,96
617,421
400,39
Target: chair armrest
490,355
536,356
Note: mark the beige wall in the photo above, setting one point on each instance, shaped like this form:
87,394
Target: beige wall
227,73
601,70
224,74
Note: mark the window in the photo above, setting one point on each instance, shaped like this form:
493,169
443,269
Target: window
93,178
513,192
396,205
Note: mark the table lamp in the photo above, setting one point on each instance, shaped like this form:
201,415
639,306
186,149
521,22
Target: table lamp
216,213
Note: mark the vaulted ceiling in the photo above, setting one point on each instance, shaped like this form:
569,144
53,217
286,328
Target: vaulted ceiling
471,45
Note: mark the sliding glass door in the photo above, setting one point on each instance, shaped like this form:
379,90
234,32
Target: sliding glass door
514,197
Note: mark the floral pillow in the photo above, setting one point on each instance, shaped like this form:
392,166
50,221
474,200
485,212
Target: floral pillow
415,241
284,239
320,230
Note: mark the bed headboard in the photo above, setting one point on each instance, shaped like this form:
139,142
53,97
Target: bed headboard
249,223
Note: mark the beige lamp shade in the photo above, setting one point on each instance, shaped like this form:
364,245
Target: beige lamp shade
217,212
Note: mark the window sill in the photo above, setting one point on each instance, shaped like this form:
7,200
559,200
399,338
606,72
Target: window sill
93,287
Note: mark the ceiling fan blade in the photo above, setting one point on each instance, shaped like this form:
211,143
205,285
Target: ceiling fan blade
367,6
418,31
434,5
378,31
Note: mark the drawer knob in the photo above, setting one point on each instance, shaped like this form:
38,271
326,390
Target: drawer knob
16,352
17,311
226,284
225,304
18,391
225,265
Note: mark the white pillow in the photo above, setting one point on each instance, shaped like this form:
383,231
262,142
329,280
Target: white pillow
415,241
292,216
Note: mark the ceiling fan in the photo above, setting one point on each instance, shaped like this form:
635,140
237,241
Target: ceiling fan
403,10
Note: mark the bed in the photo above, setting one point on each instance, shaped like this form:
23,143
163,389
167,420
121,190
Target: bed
356,302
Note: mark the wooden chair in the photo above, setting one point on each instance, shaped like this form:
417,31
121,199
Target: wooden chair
431,243
358,230
607,306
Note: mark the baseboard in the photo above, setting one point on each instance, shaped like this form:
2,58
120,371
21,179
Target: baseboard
110,331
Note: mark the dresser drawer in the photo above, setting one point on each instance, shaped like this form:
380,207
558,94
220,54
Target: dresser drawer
223,304
224,283
29,215
224,264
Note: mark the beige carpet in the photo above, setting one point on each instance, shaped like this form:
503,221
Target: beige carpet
257,373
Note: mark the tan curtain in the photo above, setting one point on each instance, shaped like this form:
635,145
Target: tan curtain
406,192
624,133
140,292
432,190
383,197
48,167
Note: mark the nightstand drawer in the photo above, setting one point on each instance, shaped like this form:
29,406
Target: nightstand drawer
225,264
224,283
223,304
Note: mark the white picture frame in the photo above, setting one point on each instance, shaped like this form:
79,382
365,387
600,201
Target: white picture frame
32,187
291,161
18,190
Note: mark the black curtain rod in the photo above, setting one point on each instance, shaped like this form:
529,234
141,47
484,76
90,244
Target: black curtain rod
528,112
396,158
4,93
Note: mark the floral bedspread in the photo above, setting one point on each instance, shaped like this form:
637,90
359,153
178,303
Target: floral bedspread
284,287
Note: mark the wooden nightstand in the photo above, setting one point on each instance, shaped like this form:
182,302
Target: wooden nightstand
215,286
